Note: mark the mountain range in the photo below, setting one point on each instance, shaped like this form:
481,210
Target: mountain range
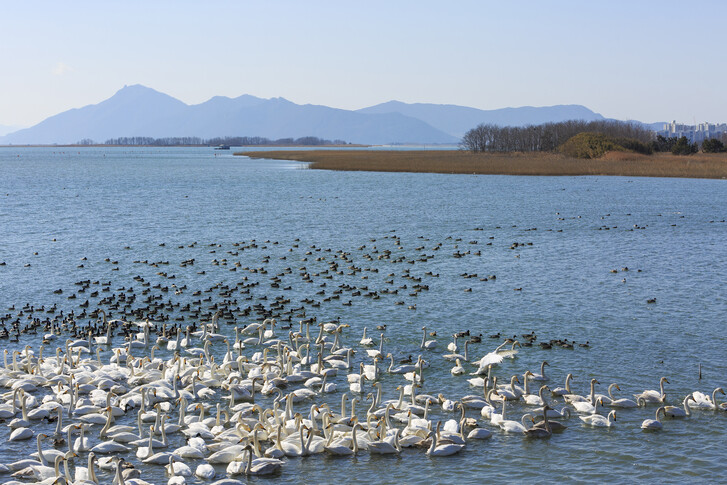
141,111
5,129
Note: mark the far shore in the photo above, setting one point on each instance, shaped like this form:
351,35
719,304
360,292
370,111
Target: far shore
101,145
700,165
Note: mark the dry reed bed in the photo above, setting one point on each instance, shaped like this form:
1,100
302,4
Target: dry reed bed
452,161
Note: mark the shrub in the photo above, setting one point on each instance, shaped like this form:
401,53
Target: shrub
712,145
635,146
662,144
588,145
683,147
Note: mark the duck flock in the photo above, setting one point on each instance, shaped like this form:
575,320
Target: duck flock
209,385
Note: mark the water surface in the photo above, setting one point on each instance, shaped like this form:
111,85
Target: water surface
572,232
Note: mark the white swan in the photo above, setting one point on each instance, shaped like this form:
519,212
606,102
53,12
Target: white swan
457,370
587,407
86,475
653,424
571,398
383,447
679,412
205,471
511,426
540,377
445,449
597,420
368,341
491,359
703,401
427,344
479,434
341,449
512,393
401,369
651,396
178,468
267,466
21,434
561,391
623,402
536,400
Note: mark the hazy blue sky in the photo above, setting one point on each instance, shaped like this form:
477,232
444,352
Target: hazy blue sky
645,60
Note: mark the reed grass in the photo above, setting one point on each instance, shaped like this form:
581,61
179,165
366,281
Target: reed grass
700,165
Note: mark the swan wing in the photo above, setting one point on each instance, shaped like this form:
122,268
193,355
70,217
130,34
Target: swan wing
492,358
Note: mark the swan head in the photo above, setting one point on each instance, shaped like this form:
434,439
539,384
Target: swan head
664,379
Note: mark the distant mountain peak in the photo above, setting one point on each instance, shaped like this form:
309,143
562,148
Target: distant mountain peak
138,110
456,120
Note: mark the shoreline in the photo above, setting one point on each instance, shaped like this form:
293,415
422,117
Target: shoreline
101,145
700,165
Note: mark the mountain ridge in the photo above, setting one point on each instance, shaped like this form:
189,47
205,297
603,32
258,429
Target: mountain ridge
456,120
138,110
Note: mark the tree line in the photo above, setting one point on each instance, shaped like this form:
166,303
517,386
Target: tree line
227,140
548,136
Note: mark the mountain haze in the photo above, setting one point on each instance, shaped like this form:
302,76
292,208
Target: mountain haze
457,120
5,129
141,111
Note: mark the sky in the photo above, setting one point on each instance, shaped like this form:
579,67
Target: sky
646,60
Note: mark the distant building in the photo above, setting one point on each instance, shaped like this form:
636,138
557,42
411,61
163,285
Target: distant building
694,133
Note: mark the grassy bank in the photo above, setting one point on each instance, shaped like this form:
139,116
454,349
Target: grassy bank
437,161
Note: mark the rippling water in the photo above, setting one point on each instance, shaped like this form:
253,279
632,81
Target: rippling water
68,204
